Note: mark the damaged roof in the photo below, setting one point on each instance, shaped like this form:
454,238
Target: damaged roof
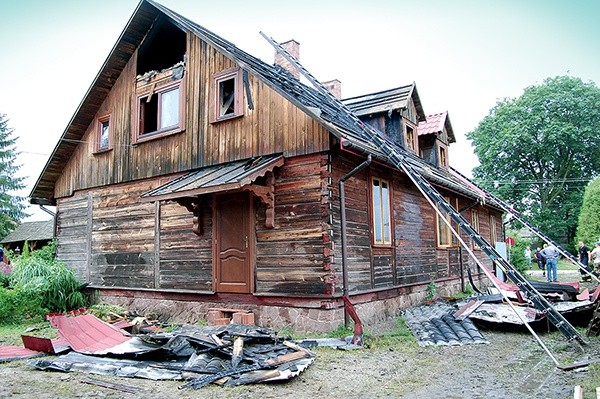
385,101
327,111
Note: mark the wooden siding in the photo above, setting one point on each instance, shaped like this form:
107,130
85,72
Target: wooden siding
123,233
290,258
72,234
273,126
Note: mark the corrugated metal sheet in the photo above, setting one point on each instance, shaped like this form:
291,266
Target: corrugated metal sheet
9,353
87,334
215,178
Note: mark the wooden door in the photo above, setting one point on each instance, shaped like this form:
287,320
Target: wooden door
233,243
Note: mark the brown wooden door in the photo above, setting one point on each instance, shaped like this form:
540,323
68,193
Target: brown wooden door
233,243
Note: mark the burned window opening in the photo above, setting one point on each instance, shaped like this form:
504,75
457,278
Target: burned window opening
226,97
163,46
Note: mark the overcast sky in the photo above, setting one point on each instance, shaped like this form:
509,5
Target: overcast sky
463,55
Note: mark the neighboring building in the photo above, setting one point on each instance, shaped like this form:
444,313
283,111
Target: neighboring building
194,175
36,234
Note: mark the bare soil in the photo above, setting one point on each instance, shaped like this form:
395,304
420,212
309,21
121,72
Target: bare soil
513,365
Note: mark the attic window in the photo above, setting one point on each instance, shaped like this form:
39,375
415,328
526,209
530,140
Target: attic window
228,95
102,134
160,103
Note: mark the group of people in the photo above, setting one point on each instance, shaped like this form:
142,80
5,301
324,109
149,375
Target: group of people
547,259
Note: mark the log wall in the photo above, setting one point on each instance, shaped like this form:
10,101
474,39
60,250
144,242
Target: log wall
414,258
291,258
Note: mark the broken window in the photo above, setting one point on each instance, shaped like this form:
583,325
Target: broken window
159,111
102,133
160,88
382,232
228,94
445,236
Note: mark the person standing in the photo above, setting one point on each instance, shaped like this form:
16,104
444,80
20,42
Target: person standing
528,256
551,254
541,261
584,259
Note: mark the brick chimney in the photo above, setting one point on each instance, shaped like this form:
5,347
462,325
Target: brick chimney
293,48
335,87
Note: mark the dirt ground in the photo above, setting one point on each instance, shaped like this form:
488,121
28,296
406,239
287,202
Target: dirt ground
512,365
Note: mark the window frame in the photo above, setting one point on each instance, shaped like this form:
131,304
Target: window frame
236,74
414,142
100,120
158,87
452,241
382,214
475,225
443,156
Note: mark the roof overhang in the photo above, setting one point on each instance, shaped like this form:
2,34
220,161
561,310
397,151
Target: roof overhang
217,178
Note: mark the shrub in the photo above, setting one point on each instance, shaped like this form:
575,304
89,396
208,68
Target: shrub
41,274
18,305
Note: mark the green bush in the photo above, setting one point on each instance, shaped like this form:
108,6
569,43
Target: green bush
18,305
39,273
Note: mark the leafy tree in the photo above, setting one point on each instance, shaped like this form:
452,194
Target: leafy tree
11,206
588,229
536,152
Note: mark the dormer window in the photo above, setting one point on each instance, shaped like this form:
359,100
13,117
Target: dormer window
410,137
443,157
228,94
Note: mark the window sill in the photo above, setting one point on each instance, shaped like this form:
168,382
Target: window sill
226,118
157,135
102,151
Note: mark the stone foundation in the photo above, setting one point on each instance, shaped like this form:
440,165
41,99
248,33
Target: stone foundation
297,317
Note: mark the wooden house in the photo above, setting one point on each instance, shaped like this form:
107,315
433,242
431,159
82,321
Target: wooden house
194,175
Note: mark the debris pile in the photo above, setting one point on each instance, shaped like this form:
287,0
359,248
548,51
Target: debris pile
232,354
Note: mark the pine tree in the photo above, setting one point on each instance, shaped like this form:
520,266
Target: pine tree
11,205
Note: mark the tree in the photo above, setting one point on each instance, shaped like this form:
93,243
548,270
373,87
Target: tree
588,228
537,151
11,205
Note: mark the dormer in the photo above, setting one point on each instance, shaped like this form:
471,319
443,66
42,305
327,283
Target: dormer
435,135
395,112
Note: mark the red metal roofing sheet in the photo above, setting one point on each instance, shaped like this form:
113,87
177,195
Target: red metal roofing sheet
87,333
8,353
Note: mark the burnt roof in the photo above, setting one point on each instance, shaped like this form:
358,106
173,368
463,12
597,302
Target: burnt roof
385,101
323,108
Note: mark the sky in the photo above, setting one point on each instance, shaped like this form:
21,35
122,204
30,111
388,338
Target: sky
463,55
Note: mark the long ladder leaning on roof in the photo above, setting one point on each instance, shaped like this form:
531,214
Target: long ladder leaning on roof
507,208
439,204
